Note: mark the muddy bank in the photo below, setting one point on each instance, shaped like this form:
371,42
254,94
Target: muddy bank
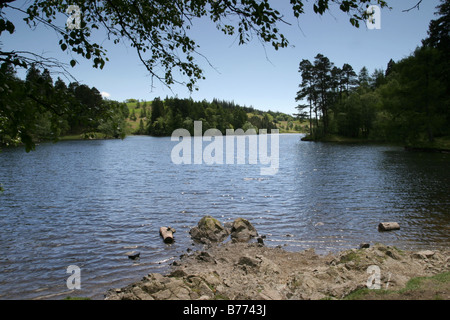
251,271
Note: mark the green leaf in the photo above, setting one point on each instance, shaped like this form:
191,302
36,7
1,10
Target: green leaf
73,63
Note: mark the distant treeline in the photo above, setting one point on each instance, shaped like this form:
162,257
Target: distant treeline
41,109
36,109
173,113
408,102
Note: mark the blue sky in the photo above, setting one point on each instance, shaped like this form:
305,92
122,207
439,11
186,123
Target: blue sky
250,75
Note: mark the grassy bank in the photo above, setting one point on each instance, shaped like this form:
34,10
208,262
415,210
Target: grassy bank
436,287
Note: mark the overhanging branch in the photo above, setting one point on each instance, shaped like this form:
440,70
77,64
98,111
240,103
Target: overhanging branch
416,6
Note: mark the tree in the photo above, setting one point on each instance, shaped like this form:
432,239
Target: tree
323,85
157,110
416,95
141,129
143,113
369,107
390,67
349,116
364,78
439,38
114,126
240,118
377,79
349,79
423,96
438,31
133,115
336,82
306,91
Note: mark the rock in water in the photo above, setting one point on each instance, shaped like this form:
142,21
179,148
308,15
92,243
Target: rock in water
388,226
208,230
133,255
242,230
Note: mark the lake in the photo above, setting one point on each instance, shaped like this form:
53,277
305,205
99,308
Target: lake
87,203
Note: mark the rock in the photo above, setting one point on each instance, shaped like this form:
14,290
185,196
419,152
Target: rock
209,230
289,235
388,226
141,294
393,254
242,230
133,255
423,254
244,260
182,293
152,287
268,266
228,225
162,295
318,224
178,274
364,245
206,257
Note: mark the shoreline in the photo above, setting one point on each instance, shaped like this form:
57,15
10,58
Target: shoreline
252,271
441,145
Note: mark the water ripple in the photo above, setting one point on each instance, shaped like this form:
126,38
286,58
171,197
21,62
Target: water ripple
88,203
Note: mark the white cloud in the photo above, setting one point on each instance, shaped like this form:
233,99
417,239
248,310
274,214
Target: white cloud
105,94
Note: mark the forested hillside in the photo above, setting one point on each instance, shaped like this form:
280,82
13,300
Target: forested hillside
162,117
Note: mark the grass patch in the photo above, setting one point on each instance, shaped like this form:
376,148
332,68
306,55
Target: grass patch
419,282
436,287
358,257
351,256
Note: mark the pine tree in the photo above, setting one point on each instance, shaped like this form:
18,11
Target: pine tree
141,129
306,90
133,116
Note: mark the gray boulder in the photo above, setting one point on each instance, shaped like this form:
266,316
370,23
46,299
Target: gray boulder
242,230
209,230
388,226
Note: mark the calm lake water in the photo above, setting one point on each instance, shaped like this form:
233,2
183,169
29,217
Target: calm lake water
87,203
